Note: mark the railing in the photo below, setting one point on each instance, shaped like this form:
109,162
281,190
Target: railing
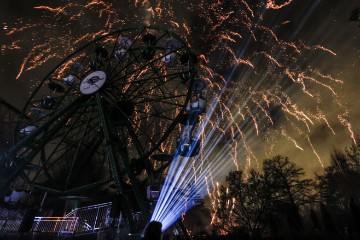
60,225
91,218
10,220
79,221
10,225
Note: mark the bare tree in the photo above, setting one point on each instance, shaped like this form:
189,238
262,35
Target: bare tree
288,183
253,207
249,204
243,206
341,180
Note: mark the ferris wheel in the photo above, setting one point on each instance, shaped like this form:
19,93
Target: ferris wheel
98,117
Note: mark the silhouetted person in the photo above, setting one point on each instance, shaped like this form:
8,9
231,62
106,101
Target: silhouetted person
153,231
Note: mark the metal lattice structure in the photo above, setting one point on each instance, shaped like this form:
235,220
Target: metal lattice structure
9,117
97,118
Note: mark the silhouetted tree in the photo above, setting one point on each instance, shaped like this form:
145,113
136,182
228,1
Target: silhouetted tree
329,226
341,180
339,189
260,200
353,154
290,191
288,183
198,220
252,202
355,212
243,206
314,219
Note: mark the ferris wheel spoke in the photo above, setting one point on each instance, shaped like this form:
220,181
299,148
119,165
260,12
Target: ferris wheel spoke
136,37
161,100
61,114
129,72
59,148
77,65
150,92
38,101
48,113
73,190
79,145
37,144
130,50
45,167
73,128
154,72
120,62
135,139
49,162
143,132
129,78
113,47
146,85
162,84
86,156
161,36
143,80
154,97
141,65
152,88
123,68
154,115
151,63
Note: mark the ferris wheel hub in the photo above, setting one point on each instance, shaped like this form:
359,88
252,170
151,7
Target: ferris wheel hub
93,82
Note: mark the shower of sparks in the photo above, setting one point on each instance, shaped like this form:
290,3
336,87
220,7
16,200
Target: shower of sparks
254,77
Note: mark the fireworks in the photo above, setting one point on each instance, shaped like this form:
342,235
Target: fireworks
254,76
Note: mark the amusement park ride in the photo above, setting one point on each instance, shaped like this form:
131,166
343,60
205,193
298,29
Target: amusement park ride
111,116
9,116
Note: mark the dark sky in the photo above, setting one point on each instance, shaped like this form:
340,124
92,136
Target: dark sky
313,21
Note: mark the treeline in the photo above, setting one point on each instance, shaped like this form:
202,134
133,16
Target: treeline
279,202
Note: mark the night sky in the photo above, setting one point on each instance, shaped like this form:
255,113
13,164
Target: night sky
315,22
